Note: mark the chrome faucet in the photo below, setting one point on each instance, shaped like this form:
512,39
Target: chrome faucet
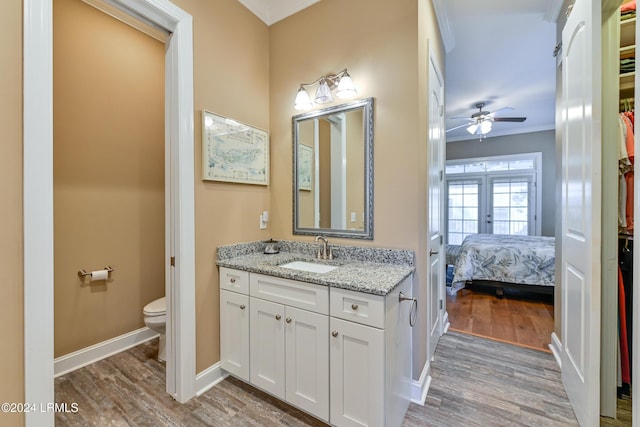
322,253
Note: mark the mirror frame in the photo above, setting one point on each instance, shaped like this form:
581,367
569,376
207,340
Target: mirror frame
367,106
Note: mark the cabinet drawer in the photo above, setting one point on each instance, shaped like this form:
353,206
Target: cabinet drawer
307,296
234,280
359,307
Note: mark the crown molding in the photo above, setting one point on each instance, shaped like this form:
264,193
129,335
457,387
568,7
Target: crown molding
448,40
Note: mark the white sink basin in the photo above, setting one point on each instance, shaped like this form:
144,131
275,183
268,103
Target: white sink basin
310,267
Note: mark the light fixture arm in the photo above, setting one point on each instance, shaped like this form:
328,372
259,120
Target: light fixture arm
331,79
340,82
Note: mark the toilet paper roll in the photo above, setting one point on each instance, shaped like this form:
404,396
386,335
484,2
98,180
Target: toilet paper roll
99,275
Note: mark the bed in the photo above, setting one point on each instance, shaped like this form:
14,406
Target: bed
505,262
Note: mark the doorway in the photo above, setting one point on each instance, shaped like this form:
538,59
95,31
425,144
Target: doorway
38,191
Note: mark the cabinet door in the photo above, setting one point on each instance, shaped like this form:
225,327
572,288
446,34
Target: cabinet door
307,361
267,346
357,374
234,333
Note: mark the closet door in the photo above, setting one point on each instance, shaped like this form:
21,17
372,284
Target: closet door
581,201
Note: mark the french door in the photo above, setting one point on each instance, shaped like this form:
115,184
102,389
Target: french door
491,204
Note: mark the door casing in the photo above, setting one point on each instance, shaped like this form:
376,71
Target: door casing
38,197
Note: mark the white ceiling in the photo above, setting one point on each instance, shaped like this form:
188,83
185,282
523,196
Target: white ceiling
272,11
498,52
502,55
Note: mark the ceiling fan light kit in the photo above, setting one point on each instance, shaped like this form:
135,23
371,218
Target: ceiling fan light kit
481,122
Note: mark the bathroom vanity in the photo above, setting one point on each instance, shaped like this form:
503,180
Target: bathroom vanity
329,337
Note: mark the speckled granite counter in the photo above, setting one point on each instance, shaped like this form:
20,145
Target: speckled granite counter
371,270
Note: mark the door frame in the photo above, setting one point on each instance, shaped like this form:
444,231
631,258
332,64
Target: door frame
38,197
437,134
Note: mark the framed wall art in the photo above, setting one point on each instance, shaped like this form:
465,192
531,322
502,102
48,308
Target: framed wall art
234,151
305,158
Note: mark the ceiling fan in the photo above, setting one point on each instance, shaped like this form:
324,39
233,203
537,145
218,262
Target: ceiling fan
481,122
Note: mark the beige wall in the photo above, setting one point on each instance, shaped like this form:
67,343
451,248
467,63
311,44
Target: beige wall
306,198
231,78
379,44
11,289
244,70
324,147
108,174
355,169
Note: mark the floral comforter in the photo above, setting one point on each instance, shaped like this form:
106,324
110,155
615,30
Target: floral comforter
527,260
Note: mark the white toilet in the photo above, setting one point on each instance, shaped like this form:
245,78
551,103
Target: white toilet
155,317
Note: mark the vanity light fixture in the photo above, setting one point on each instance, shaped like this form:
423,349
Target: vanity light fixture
341,82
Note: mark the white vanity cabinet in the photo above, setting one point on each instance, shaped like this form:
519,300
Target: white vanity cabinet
340,355
234,322
289,354
370,354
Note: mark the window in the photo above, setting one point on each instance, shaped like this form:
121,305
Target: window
496,195
463,209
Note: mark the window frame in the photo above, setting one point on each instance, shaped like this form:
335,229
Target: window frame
485,199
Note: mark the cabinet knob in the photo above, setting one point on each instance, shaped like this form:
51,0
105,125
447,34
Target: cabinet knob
354,306
334,334
288,320
242,306
278,317
233,280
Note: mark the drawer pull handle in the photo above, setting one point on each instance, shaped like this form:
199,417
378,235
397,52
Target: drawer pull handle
334,334
233,280
278,317
288,319
242,306
354,306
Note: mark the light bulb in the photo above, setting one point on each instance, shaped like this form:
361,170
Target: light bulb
485,127
303,102
346,88
323,94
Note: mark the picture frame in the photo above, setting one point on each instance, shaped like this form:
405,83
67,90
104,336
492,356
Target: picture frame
233,151
305,166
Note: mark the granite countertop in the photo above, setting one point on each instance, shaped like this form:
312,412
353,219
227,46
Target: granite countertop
362,274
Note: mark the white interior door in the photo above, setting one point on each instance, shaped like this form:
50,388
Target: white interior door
581,200
435,221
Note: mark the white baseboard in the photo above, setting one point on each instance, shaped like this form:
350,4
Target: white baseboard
420,388
556,349
445,322
86,356
209,378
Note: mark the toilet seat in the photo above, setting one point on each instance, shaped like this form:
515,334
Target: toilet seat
156,308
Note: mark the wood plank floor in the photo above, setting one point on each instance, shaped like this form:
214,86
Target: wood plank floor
476,382
520,318
523,319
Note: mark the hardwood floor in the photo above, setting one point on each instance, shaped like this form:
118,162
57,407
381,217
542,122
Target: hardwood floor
475,382
623,414
520,318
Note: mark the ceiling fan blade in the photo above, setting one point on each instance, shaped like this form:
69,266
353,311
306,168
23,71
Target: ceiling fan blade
461,118
457,127
509,119
501,110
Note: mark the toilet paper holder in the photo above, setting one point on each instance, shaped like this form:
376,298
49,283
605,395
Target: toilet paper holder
83,272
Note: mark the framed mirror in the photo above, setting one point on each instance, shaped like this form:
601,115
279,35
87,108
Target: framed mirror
333,171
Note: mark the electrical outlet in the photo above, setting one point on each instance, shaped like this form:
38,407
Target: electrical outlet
264,217
353,217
